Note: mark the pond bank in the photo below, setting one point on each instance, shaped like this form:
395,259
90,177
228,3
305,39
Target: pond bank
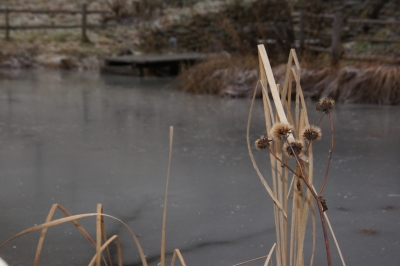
373,84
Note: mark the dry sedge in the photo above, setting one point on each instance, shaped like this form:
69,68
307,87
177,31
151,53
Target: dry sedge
291,231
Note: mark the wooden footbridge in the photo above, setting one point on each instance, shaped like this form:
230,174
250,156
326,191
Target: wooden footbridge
165,64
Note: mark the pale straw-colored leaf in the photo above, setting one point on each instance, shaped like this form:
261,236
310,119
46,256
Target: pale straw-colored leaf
178,254
334,238
269,255
77,217
43,234
44,230
98,235
164,223
271,82
104,246
263,181
287,81
314,232
252,260
333,235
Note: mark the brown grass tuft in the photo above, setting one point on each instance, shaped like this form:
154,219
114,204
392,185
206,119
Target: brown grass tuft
378,84
235,77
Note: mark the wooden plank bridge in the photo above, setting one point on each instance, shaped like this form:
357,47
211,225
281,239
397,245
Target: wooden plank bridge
167,64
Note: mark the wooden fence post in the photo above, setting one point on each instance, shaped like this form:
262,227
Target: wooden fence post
336,39
7,24
84,39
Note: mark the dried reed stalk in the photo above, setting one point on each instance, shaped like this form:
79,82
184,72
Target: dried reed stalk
178,254
164,223
74,219
102,242
290,245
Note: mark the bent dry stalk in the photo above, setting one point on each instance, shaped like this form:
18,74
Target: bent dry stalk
294,149
292,207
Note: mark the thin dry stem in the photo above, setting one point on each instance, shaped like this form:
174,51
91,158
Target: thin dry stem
164,224
330,156
320,208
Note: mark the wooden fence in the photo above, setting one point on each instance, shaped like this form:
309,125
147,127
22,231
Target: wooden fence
83,25
336,34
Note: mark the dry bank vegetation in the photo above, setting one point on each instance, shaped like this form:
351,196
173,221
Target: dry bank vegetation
236,77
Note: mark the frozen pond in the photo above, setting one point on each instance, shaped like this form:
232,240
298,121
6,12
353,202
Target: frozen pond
79,139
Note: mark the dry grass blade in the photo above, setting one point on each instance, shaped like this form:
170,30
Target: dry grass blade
252,260
44,231
267,187
104,246
314,232
271,82
268,257
303,193
164,225
74,218
174,255
43,234
334,238
98,235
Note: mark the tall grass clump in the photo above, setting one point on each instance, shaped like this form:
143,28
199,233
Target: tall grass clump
234,76
377,84
289,140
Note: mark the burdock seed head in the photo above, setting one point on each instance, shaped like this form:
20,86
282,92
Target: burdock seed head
295,146
311,133
281,130
325,105
262,143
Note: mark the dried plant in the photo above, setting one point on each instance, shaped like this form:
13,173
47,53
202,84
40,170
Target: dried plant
233,77
101,242
283,129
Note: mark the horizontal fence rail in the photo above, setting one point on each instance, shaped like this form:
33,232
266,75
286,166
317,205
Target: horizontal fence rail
43,27
52,11
336,35
83,25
